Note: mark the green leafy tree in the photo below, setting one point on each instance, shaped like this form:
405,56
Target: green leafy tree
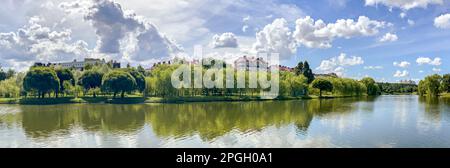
322,84
90,80
119,81
308,72
64,74
2,74
299,69
431,85
139,77
42,80
372,87
446,83
10,73
141,70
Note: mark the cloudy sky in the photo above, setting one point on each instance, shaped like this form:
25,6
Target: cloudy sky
389,40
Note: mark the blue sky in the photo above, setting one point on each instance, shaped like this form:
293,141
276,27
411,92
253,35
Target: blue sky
347,41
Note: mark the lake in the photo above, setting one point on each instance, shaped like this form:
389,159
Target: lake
385,121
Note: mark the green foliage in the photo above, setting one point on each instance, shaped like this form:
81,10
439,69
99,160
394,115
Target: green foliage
397,88
2,75
139,77
446,83
372,87
430,86
119,81
63,76
305,70
9,88
42,80
347,87
322,84
90,80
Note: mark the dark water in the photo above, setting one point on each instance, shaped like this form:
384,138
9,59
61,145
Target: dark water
386,121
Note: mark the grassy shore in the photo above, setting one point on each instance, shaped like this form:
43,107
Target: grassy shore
139,100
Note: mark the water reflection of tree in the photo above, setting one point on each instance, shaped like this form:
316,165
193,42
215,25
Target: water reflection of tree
208,120
45,121
434,106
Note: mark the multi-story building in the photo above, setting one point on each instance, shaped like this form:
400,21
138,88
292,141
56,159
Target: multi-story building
411,82
79,65
249,63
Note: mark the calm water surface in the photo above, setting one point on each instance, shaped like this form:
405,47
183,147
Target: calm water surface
386,121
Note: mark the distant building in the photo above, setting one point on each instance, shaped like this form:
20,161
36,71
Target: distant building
247,63
79,65
283,68
411,82
332,75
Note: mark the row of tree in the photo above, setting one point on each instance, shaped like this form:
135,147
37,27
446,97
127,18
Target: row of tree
434,85
40,81
104,80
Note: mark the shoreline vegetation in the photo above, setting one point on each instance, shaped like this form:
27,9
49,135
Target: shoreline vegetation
103,83
150,100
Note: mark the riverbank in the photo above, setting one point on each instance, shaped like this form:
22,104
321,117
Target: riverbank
141,100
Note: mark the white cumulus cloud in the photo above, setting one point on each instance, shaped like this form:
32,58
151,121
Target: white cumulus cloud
123,32
404,4
226,40
35,42
276,38
401,74
442,21
337,64
425,60
373,67
403,64
318,34
389,37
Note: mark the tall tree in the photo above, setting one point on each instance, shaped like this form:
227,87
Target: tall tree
10,73
372,88
322,85
91,80
119,81
308,72
299,69
446,83
42,80
63,74
139,77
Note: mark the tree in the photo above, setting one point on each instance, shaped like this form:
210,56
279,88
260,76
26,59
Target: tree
431,85
322,85
90,80
63,74
2,75
141,70
372,88
42,80
119,81
308,72
446,83
139,77
299,69
10,73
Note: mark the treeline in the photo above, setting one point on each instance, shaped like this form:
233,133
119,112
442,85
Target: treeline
434,85
103,80
56,81
397,88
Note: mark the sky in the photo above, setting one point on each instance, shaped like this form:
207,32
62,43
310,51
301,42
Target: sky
389,40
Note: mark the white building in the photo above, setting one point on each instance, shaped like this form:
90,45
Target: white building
80,64
249,63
